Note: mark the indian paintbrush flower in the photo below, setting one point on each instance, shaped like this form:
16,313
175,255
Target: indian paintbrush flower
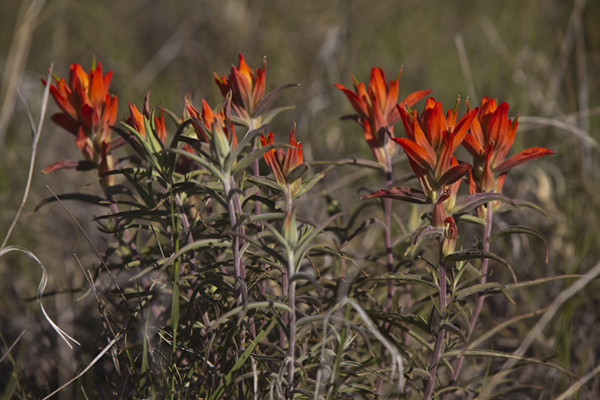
247,88
282,164
377,112
490,137
432,140
214,128
88,111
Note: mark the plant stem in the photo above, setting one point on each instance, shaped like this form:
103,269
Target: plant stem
238,272
388,228
292,320
437,349
487,230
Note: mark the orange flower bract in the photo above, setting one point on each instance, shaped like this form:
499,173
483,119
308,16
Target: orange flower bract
247,88
376,108
280,163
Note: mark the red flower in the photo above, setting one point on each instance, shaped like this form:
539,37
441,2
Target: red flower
246,88
376,108
214,128
431,142
85,103
137,121
88,111
281,164
490,137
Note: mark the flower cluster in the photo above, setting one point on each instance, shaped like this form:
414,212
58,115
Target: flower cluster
282,164
88,111
491,136
377,111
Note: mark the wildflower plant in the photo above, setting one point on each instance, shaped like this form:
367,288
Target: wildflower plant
233,292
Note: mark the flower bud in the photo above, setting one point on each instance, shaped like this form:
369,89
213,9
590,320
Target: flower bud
449,243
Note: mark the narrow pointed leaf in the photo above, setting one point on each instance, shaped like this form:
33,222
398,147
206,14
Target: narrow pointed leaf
479,199
425,232
520,229
268,99
265,183
79,165
409,195
267,117
306,186
351,161
85,198
464,255
249,159
297,173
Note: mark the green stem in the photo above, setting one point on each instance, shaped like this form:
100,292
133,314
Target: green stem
487,230
291,320
437,349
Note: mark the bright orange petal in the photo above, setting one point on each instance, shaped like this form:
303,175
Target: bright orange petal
521,157
416,153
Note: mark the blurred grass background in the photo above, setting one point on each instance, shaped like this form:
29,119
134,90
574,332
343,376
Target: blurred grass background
541,56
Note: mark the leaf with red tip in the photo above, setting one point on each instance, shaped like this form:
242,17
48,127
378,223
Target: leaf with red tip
455,173
521,157
79,165
475,200
414,97
416,153
409,195
357,103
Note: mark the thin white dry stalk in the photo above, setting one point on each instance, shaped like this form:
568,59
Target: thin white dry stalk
7,249
580,133
539,327
12,346
36,133
94,361
41,288
15,60
397,364
577,385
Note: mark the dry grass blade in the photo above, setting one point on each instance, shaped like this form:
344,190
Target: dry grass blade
94,361
34,145
12,346
542,323
580,133
15,61
577,385
41,289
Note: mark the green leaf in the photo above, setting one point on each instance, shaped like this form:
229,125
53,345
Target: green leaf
269,115
249,159
425,231
461,294
268,99
471,219
205,163
521,230
141,214
306,239
297,173
220,391
401,277
479,199
498,354
463,255
359,162
266,183
306,186
533,206
85,198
